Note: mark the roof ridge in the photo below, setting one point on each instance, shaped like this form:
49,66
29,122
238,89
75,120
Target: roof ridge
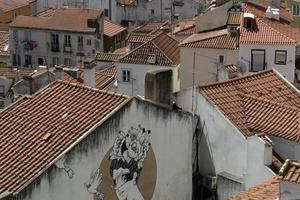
170,60
235,79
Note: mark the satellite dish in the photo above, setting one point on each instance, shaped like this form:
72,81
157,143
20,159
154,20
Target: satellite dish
241,67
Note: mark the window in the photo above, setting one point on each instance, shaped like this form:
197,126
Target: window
248,23
27,35
89,42
280,57
67,40
67,61
55,61
54,42
28,61
257,60
40,61
126,75
152,11
221,59
2,91
296,10
106,12
80,40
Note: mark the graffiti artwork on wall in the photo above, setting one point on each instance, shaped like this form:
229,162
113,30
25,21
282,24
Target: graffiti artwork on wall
128,171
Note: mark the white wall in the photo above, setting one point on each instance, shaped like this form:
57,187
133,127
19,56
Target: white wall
171,141
287,70
289,191
206,61
138,72
43,49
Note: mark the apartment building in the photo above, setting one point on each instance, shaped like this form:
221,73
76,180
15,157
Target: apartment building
56,36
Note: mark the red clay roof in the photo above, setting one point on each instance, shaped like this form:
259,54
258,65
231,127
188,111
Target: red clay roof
4,37
64,19
109,57
140,38
290,171
268,190
111,29
103,78
186,31
149,28
62,111
268,31
231,68
232,98
15,73
234,18
8,5
164,48
220,39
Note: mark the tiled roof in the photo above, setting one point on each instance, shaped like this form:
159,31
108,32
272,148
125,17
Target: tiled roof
103,78
4,37
268,29
187,31
232,99
163,48
8,5
47,13
14,73
220,39
110,57
263,33
140,38
64,19
149,28
111,29
234,18
35,132
290,171
268,190
231,68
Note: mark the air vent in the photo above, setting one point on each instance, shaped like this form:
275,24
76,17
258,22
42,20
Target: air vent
151,59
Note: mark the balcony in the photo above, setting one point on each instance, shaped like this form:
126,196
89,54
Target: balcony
67,49
55,47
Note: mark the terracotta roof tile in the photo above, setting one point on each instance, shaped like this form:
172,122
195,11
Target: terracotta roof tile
149,28
103,78
220,39
234,18
291,171
268,190
163,48
15,73
140,38
110,57
111,29
229,97
8,5
65,19
231,68
4,37
60,110
187,31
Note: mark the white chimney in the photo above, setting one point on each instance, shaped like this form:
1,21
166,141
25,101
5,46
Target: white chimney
89,72
272,13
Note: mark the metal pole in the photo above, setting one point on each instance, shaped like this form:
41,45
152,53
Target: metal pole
193,95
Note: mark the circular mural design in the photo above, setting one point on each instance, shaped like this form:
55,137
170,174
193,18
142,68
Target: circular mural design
128,170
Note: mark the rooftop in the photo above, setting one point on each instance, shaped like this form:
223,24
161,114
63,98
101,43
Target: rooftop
163,50
234,18
149,28
290,171
107,57
111,29
220,39
6,5
15,73
268,190
248,103
140,38
64,19
60,117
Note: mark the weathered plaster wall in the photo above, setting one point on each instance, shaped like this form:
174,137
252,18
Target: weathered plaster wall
171,141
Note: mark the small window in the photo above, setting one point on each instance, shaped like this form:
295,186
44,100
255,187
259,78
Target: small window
80,40
126,75
248,23
152,11
280,57
221,59
296,10
41,61
89,42
67,61
106,12
67,40
55,61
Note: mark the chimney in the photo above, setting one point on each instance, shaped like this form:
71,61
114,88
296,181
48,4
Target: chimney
58,73
89,72
272,13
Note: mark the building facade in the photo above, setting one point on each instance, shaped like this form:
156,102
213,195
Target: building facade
66,36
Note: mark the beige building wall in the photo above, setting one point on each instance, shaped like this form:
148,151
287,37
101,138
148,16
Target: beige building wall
206,62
